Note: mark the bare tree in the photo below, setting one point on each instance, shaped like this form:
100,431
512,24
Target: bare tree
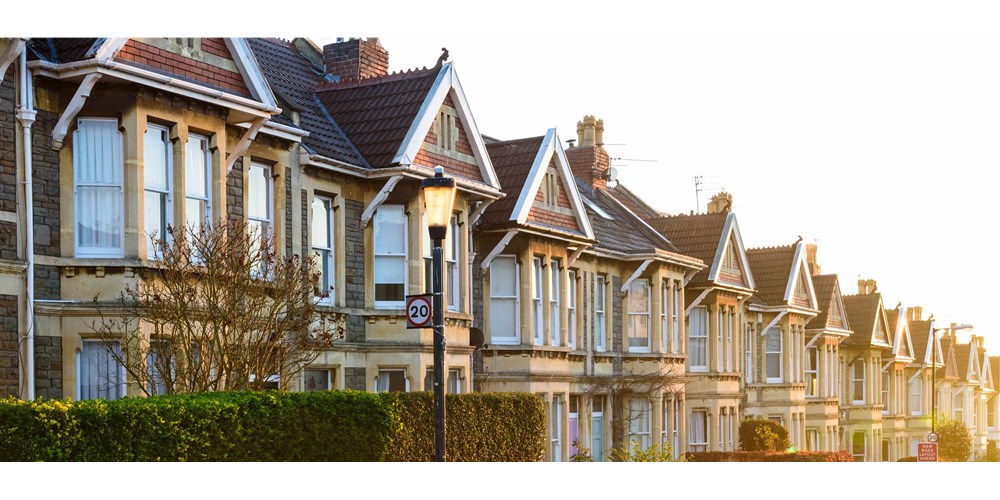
220,311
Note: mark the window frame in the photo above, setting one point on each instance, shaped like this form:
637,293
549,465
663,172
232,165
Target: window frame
640,422
329,379
167,216
385,256
117,156
814,372
701,445
330,260
555,428
600,313
916,410
514,337
206,153
780,354
675,339
268,220
555,290
855,380
82,357
700,339
538,317
378,376
453,244
571,307
630,314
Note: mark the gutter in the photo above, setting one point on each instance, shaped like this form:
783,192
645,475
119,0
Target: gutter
26,116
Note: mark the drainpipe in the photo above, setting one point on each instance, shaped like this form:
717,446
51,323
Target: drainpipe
26,116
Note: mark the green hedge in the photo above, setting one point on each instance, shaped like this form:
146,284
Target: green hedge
270,426
769,456
763,435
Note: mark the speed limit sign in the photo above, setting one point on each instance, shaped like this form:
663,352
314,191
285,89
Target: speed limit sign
932,437
419,311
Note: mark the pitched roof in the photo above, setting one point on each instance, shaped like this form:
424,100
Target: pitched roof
899,328
962,352
995,370
634,203
862,312
920,334
624,232
694,235
293,77
771,267
376,113
512,161
62,50
826,288
950,369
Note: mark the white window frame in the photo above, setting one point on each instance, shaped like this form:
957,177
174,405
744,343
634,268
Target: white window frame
640,422
633,315
571,310
812,390
730,327
600,313
206,153
117,153
675,339
886,394
699,337
555,428
514,337
389,257
664,296
702,443
748,368
327,279
167,216
916,409
855,380
538,318
554,294
81,357
266,220
768,353
451,263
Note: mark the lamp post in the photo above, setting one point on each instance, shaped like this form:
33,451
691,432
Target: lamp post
934,346
439,196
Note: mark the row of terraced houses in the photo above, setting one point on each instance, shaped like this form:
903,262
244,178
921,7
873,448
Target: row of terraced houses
630,324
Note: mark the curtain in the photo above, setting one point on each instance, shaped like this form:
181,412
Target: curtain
100,375
98,173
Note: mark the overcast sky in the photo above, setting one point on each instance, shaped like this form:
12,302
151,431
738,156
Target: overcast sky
880,149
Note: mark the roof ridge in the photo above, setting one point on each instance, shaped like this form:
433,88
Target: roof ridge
771,248
374,80
512,141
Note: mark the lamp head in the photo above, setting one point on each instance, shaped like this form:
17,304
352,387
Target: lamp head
439,197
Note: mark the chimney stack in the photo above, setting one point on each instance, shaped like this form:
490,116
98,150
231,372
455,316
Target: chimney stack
811,250
588,159
916,313
867,287
721,203
355,59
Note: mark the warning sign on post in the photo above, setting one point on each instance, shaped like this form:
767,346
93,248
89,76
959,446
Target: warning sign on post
927,452
419,311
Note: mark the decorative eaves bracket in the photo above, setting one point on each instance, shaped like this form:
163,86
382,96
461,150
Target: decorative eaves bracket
697,301
576,255
497,249
380,198
773,322
74,107
636,274
13,50
244,144
478,212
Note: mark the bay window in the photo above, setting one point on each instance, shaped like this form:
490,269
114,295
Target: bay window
98,176
536,300
638,316
600,318
504,310
812,372
698,339
772,355
158,172
390,256
554,291
197,182
321,238
571,311
99,374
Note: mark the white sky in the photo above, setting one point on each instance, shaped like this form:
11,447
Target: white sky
869,127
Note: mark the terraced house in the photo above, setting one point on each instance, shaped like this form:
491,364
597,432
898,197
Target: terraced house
927,356
861,369
895,387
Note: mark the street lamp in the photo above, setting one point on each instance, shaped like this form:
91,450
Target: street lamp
934,346
439,196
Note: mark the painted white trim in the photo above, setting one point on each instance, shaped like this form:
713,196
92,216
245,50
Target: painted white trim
799,268
74,107
12,52
497,249
380,198
569,182
731,228
252,74
593,206
987,373
109,49
773,322
244,144
446,83
642,267
478,212
534,179
697,301
902,332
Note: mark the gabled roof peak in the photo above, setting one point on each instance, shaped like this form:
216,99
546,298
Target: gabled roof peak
374,80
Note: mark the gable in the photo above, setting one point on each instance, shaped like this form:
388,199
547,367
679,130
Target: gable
973,373
205,60
951,367
731,269
801,295
551,205
878,335
987,374
836,317
728,250
447,144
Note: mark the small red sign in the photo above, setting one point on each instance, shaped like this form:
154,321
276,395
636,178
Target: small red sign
419,311
927,452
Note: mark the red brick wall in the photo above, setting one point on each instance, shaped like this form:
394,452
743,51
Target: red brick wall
552,218
356,59
183,66
451,165
589,164
216,46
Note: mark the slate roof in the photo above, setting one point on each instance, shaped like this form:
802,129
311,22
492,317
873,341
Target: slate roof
634,203
771,267
862,312
824,285
512,161
61,50
626,233
697,236
920,332
962,360
377,112
950,368
293,78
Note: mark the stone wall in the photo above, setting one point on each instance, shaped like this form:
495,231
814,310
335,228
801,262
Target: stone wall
48,367
354,264
8,141
45,185
47,282
8,346
234,191
354,378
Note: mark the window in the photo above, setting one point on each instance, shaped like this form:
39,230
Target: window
98,173
748,367
858,382
156,365
885,393
640,422
958,407
916,399
392,381
158,171
675,341
321,237
697,431
451,263
719,350
197,182
638,316
600,320
99,375
556,428
574,424
812,372
885,450
504,310
597,429
453,384
390,256
317,380
536,299
698,339
812,440
571,311
554,302
772,354
991,413
260,196
858,445
730,320
664,296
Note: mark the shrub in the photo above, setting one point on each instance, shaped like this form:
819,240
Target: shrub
769,456
954,440
269,426
654,453
907,459
992,451
763,435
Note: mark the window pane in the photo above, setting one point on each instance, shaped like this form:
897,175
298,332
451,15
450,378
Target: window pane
320,223
155,153
99,217
258,197
316,380
195,169
100,374
390,230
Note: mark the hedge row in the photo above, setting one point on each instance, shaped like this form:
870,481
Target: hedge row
270,426
769,456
